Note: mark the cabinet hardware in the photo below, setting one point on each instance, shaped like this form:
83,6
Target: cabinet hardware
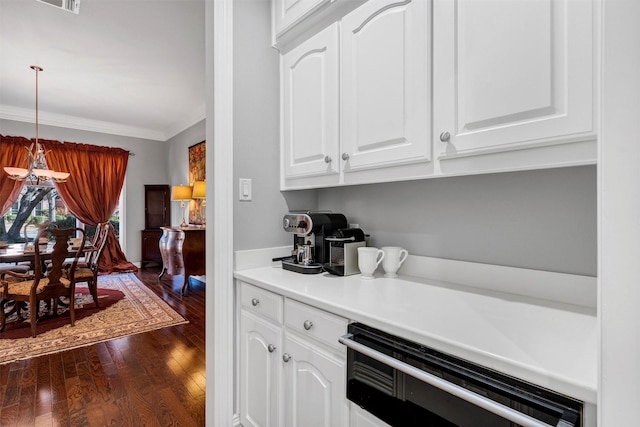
345,156
307,324
271,348
255,302
286,357
327,159
445,136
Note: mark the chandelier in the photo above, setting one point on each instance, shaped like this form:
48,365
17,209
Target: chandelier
37,171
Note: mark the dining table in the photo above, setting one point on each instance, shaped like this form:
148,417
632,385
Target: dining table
15,253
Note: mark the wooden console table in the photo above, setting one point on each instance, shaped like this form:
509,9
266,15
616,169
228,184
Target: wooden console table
183,252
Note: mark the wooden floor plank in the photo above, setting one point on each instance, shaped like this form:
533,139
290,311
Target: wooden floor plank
155,378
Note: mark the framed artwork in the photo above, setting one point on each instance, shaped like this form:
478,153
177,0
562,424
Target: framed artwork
197,172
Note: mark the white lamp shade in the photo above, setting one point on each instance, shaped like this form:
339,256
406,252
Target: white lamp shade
199,190
60,176
19,173
43,173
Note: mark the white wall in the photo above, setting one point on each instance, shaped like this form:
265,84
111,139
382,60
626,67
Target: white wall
147,166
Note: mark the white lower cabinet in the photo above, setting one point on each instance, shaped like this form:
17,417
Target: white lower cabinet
314,385
292,368
260,371
361,418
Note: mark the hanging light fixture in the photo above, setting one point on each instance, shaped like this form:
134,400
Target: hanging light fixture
37,171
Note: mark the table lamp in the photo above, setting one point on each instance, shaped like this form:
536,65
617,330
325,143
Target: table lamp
181,193
200,193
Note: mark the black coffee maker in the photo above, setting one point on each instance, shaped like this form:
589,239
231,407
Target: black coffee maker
310,247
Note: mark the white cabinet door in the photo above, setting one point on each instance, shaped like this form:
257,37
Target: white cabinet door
288,12
314,383
310,107
361,418
512,74
385,84
260,371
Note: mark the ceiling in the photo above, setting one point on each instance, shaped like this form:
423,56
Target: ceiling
123,67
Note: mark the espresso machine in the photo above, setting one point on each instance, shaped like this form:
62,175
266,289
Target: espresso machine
310,247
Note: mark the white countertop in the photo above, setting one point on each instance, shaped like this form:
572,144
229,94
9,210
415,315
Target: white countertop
551,344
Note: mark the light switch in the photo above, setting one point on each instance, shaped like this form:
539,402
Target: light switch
245,189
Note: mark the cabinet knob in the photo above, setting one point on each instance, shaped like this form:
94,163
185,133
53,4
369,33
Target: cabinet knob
307,324
445,136
345,156
255,302
271,348
286,357
327,159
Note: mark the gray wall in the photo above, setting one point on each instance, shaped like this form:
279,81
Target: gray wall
177,162
146,167
543,220
258,224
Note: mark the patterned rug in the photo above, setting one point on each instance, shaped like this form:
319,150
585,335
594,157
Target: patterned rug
127,307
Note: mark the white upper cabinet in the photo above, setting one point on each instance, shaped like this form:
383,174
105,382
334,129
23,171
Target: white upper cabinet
513,75
296,20
310,122
288,12
385,85
355,99
408,89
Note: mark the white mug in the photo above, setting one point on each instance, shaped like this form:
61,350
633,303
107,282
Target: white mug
394,256
368,260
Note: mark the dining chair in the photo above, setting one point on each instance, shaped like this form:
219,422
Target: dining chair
85,260
89,274
49,283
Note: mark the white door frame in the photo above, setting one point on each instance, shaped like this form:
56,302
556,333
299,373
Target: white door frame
219,244
619,215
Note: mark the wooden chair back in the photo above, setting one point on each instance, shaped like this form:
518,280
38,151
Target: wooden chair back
57,269
50,281
100,244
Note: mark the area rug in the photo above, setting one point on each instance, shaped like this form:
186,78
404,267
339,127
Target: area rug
127,307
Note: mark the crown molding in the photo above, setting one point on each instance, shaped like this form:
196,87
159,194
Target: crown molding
198,115
71,122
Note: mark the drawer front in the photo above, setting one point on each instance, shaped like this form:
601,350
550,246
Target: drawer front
261,302
315,323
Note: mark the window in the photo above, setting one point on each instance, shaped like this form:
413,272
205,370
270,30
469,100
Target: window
39,205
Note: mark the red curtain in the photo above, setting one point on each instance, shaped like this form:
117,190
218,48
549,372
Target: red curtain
12,153
91,192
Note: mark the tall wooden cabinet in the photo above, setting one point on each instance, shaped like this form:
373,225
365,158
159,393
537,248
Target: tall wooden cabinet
157,213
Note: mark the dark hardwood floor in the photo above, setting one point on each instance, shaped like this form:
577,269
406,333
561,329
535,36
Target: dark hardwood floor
152,379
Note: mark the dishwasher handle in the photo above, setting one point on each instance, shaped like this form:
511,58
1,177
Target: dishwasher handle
453,389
